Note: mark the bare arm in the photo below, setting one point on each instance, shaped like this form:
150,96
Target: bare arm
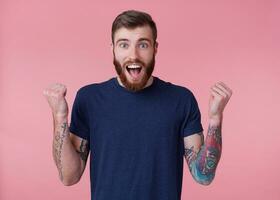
70,152
203,157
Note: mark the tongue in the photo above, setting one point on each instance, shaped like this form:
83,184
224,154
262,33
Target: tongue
134,73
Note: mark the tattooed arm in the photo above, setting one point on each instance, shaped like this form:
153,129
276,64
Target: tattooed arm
69,151
203,157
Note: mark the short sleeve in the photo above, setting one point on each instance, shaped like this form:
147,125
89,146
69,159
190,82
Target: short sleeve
79,118
192,117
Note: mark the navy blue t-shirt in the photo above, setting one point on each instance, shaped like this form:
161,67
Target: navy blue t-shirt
136,138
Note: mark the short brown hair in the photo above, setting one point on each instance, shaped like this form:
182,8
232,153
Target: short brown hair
132,19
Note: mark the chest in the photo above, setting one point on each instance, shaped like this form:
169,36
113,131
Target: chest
130,124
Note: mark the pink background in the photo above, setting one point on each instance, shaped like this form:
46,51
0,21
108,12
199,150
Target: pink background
200,43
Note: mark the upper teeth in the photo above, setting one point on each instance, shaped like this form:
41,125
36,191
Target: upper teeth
133,66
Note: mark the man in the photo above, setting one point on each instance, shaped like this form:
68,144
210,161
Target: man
137,127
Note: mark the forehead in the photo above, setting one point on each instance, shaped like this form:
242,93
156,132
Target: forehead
134,34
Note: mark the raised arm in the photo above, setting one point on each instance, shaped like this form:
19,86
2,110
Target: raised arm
203,156
70,152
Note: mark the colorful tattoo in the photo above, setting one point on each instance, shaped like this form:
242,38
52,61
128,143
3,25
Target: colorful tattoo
57,147
203,164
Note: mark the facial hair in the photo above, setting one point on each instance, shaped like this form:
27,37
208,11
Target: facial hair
148,70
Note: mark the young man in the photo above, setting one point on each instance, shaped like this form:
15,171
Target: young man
137,127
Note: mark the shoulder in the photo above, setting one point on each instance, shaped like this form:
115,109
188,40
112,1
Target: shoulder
90,89
177,90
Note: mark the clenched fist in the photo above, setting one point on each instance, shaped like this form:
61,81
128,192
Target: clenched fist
220,95
55,95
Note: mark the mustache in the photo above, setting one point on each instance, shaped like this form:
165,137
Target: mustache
135,61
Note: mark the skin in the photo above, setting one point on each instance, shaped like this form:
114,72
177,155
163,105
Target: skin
134,46
70,152
203,156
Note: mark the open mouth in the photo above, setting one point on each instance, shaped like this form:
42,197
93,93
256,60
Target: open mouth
134,70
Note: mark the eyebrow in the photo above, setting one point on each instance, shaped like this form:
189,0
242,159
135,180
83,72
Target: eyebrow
145,39
121,39
139,40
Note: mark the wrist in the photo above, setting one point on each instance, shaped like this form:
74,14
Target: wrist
60,118
215,120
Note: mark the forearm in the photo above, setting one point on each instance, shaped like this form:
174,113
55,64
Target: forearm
65,156
203,157
204,163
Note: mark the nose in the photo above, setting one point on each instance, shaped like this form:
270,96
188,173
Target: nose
133,53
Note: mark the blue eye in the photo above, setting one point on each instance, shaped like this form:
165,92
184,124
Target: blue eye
143,45
123,45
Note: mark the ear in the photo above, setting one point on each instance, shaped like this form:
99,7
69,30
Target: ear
112,47
156,47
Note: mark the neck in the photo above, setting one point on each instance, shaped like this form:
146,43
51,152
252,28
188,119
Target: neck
149,82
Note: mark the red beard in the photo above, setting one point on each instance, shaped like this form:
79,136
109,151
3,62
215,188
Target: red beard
148,70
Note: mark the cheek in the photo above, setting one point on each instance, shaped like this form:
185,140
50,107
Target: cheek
146,57
148,54
120,57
